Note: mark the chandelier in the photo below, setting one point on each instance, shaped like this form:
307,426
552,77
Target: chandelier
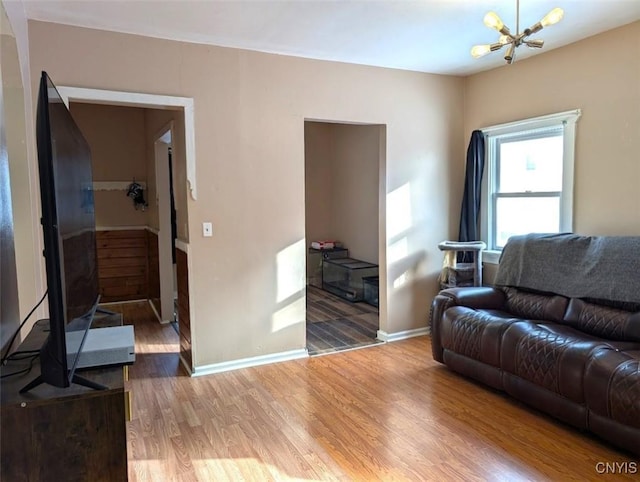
511,40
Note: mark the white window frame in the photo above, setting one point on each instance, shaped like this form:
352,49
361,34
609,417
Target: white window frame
568,121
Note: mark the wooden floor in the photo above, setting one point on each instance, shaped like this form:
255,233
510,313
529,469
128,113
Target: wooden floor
334,324
388,412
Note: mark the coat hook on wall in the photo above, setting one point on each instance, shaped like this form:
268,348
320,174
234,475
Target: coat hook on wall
136,193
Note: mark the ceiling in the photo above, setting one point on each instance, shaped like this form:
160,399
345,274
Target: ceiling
428,35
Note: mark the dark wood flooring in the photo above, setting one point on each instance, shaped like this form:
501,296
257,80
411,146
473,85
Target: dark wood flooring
334,324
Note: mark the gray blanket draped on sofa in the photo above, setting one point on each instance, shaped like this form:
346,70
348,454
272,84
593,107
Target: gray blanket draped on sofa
595,267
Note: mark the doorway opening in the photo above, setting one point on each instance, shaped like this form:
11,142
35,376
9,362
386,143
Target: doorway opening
343,166
168,175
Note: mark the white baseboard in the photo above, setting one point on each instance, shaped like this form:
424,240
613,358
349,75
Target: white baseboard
402,335
107,303
156,312
249,362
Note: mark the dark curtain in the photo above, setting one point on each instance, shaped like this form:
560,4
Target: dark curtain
470,212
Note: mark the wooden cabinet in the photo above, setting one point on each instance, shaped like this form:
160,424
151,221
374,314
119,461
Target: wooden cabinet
55,434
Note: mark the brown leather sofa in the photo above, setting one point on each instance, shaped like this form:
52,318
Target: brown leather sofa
575,359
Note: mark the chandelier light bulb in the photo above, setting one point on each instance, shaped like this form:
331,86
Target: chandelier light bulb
504,39
479,50
492,20
553,17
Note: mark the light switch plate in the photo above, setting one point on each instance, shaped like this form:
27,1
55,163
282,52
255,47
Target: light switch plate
207,230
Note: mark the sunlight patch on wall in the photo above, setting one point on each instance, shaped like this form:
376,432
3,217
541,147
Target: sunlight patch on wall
290,265
291,314
398,250
401,280
399,223
399,216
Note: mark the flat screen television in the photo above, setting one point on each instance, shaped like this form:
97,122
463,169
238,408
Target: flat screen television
68,227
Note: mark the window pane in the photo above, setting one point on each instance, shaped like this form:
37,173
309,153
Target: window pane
526,215
531,165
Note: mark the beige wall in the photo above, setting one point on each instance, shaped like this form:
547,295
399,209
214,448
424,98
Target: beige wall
318,154
24,178
11,110
355,203
116,137
342,184
601,76
247,281
122,148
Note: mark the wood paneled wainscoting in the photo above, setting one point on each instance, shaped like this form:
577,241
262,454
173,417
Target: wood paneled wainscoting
154,269
128,265
123,266
184,320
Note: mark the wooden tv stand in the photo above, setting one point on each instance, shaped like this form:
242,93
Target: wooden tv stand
56,434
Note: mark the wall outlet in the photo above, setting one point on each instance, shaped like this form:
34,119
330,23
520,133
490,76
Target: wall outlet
207,230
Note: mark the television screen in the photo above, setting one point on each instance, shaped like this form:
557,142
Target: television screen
73,189
68,226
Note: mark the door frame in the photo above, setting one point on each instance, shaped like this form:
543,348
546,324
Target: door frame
383,306
163,190
152,101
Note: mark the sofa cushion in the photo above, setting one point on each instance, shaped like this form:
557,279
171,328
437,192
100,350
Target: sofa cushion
550,355
535,306
612,382
475,334
610,323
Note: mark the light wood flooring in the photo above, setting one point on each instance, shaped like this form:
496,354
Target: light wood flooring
388,412
334,324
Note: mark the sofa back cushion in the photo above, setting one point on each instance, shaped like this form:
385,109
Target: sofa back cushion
535,306
603,321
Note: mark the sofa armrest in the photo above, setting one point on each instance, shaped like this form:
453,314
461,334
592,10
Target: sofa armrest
479,297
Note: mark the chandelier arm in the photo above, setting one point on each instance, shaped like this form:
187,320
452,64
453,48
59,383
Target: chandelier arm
505,31
536,27
534,43
511,54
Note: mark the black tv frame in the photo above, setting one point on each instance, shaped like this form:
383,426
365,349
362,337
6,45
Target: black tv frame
54,368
